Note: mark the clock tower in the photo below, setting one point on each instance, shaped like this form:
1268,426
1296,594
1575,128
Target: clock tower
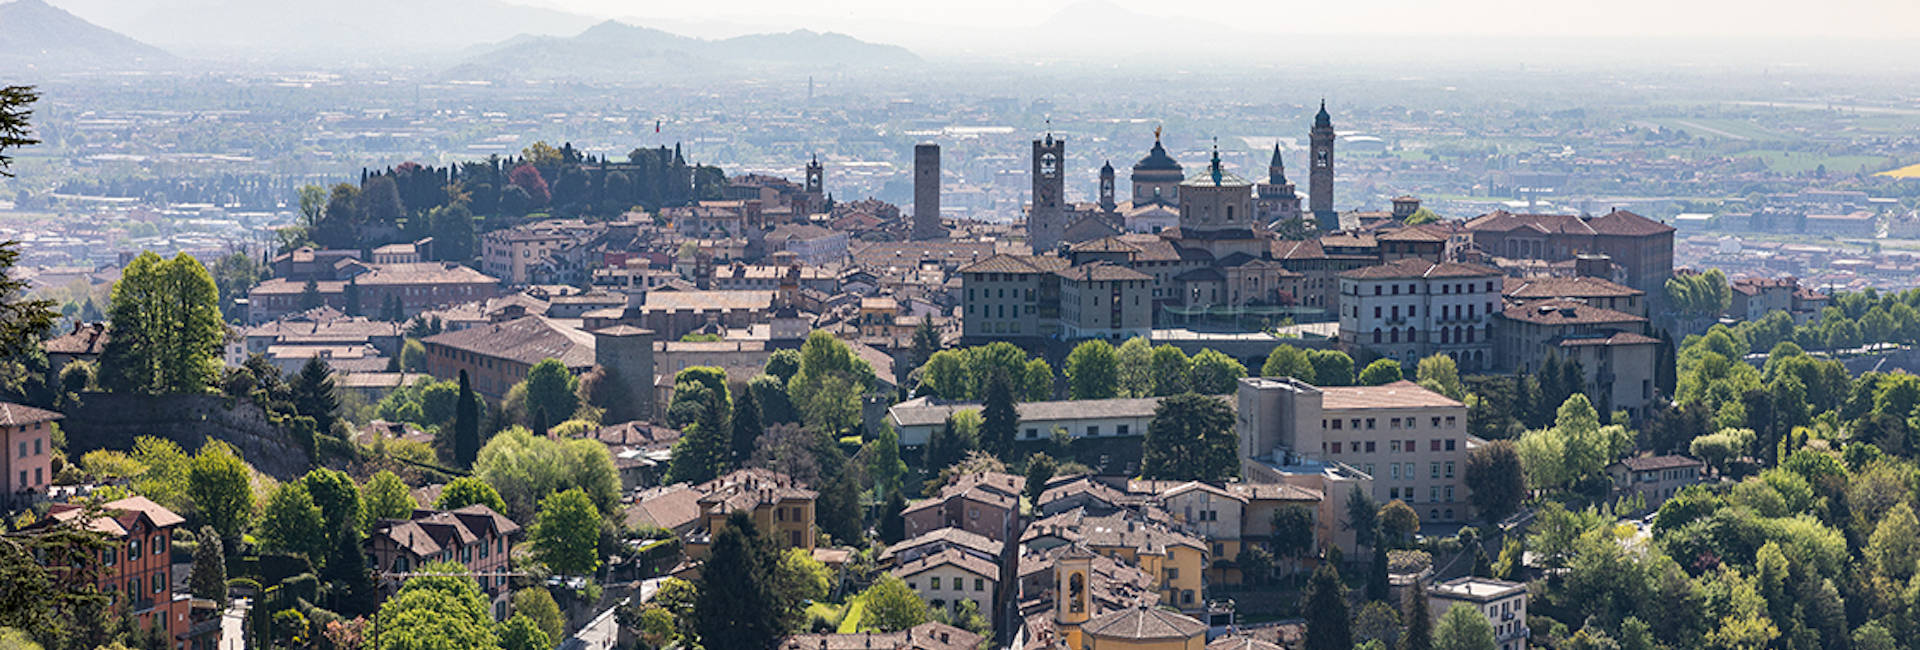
1320,167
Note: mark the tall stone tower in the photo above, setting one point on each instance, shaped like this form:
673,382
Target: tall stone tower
816,186
1321,168
1107,203
926,192
1046,221
1072,582
625,352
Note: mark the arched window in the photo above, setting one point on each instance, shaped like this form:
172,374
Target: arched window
1376,335
1394,335
1077,593
1444,338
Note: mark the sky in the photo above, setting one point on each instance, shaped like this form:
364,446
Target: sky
1686,18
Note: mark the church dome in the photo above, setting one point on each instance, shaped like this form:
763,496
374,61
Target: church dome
1157,160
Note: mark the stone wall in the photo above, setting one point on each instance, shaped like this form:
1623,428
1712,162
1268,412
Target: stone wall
113,421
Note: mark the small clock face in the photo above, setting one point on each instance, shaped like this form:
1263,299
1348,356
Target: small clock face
1049,165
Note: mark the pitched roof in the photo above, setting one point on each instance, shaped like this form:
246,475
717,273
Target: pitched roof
1237,642
1624,223
946,538
14,415
1009,263
1656,463
1567,312
1399,394
1413,234
1103,272
965,561
86,338
528,340
1579,287
1419,268
1611,338
1144,623
671,507
925,636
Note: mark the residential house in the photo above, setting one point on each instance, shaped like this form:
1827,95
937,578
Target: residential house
982,503
475,536
136,567
27,436
1655,478
1503,603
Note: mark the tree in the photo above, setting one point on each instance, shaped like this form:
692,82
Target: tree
1326,611
537,604
466,424
893,523
999,421
892,607
209,577
950,443
1380,373
350,589
746,427
700,455
387,497
1170,367
736,607
1191,438
167,332
1040,469
221,489
1419,619
413,356
235,274
1716,449
293,524
1463,628
1289,361
1398,522
468,490
1377,626
1574,448
798,579
1378,583
454,238
528,179
339,501
926,341
1363,516
828,387
884,466
524,469
1293,532
770,394
14,127
521,633
1496,479
1331,367
1438,373
441,608
1213,373
1092,371
1133,368
550,394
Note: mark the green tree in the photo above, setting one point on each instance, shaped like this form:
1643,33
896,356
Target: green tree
524,469
209,576
700,455
167,479
1289,361
1170,367
221,488
1326,609
1496,479
830,383
1414,610
466,424
798,579
1293,532
521,633
387,497
1398,522
1574,448
926,341
892,607
454,237
1040,469
1463,628
15,131
339,501
551,394
537,604
566,536
468,490
893,524
350,589
736,607
1331,367
1438,373
884,466
440,609
293,524
1133,368
999,419
1192,438
1092,371
413,356
746,427
167,332
952,441
1213,373
1380,373
235,274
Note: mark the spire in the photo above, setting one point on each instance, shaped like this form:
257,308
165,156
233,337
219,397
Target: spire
1277,162
1322,119
1107,168
1277,169
1214,167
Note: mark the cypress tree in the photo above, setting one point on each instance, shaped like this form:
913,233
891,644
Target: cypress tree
466,425
209,577
736,605
1328,625
1419,619
999,420
746,427
1377,585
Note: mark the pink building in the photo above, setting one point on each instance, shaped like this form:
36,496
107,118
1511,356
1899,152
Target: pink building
475,536
28,434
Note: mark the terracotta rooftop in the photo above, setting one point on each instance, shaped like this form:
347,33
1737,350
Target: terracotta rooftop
1580,287
963,560
1419,268
1656,463
1567,312
527,340
14,415
1007,263
1144,624
1399,394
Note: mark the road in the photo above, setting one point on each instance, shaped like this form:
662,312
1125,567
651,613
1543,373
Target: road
233,623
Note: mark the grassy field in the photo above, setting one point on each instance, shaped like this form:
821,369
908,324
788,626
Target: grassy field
1723,128
1909,171
855,611
1794,162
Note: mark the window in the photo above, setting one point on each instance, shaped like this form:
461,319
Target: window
1093,430
1368,468
1355,423
1369,424
1336,447
1433,445
1435,467
36,446
1032,433
23,451
1449,466
1173,573
1369,446
158,545
159,581
1450,421
979,584
1336,425
1436,422
1394,470
133,547
933,583
1120,430
112,555
1449,444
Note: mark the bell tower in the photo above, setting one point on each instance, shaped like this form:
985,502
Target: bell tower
816,185
1072,606
1046,221
1107,203
1320,170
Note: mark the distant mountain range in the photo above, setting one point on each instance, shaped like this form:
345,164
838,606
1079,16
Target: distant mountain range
613,48
36,36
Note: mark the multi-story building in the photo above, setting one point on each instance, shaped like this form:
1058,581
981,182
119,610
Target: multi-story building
1004,296
475,536
1615,355
1504,604
136,567
1103,300
1412,442
1641,246
546,252
781,508
1655,478
1593,291
367,288
948,578
1412,308
812,245
984,504
1176,560
498,355
27,443
917,418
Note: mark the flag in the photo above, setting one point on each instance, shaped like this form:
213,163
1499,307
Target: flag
656,126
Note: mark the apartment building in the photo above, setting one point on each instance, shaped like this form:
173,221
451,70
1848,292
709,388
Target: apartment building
475,536
1106,301
365,288
1003,297
948,578
1616,356
26,451
1411,442
1504,604
1655,478
1641,246
983,504
917,418
135,568
546,252
1593,291
1412,308
781,507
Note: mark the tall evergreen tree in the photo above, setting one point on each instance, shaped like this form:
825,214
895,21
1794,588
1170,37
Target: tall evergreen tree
1378,587
209,577
1418,617
999,419
746,427
1328,626
893,523
313,394
466,424
350,585
737,606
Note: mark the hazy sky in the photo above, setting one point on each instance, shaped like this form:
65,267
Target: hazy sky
1741,18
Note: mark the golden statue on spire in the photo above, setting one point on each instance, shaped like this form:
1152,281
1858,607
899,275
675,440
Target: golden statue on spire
1156,133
